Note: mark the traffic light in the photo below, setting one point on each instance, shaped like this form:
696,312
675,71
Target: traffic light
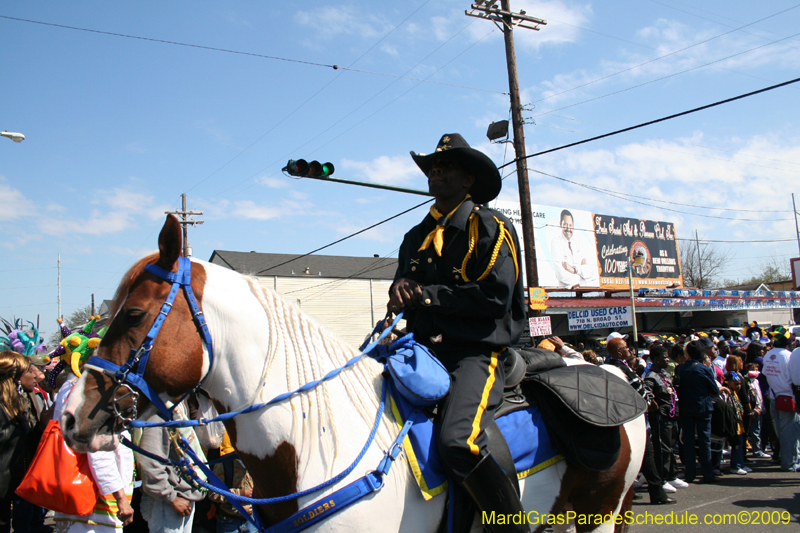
304,169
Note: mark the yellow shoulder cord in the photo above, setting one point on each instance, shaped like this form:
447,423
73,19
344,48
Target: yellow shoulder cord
503,235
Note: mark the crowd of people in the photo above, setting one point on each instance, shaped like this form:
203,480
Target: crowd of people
712,398
133,492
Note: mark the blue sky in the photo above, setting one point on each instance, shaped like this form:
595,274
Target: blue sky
117,128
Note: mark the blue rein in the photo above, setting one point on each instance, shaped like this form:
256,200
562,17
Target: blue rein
131,373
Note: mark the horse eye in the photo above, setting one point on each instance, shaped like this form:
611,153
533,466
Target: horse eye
133,317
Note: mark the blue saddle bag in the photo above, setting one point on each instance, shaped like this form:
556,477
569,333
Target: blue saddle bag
416,373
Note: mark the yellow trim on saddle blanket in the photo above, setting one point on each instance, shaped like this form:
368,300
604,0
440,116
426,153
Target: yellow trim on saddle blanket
411,457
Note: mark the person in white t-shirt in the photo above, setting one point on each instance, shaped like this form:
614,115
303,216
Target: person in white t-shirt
777,370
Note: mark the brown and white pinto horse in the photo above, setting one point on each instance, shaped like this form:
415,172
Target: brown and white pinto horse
264,346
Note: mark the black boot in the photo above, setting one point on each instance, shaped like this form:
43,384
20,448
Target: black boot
496,498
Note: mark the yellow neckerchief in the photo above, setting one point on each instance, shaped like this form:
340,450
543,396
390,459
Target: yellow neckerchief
437,235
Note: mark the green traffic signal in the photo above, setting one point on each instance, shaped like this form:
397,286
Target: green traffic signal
304,169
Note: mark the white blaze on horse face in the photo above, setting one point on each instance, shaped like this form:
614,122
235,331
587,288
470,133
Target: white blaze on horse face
73,408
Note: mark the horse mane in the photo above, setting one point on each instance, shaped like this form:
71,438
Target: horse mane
309,340
128,279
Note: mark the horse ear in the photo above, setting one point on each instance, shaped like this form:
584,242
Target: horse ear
169,243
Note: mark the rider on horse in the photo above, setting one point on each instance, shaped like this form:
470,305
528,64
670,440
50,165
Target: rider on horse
459,282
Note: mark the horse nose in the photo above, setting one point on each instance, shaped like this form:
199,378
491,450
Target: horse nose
67,423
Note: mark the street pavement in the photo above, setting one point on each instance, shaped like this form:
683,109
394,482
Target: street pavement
764,495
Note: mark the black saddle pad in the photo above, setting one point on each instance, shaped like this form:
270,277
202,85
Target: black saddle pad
592,394
583,407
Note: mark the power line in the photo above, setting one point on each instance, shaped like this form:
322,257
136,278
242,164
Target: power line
345,238
668,76
736,242
615,193
626,197
662,119
685,143
359,107
239,52
665,56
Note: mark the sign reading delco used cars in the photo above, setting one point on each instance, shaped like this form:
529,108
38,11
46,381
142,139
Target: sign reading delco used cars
600,317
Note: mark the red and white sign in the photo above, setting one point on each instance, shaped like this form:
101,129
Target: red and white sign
540,326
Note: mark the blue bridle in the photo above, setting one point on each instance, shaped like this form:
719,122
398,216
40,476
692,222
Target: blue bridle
131,373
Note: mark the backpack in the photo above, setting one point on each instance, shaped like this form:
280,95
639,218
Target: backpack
724,420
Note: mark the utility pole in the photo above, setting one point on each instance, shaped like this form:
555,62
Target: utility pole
59,286
796,227
506,20
185,221
92,304
699,259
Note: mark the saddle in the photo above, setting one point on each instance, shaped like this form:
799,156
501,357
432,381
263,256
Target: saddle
582,405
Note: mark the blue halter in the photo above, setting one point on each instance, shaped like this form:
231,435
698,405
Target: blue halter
131,373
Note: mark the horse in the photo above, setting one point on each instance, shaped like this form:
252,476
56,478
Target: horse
264,346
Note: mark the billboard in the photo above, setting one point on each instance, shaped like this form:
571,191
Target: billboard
580,249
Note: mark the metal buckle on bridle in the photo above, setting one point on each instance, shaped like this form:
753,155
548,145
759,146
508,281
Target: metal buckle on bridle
120,412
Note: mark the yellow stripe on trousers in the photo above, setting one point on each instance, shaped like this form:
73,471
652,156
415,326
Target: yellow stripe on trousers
487,389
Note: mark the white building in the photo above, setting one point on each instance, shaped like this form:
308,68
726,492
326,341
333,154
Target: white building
346,294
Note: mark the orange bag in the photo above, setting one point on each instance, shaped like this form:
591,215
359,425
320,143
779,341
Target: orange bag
59,478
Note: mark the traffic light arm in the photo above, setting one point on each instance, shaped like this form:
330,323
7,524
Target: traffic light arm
374,185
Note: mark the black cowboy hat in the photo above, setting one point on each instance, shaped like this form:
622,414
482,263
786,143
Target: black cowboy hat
453,147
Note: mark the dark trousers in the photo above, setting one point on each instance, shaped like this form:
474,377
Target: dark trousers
654,481
700,425
663,436
476,389
769,433
27,517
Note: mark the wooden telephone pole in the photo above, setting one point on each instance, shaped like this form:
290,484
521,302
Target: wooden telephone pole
185,221
506,20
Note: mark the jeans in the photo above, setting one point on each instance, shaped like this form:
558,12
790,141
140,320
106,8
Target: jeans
226,524
701,424
754,433
162,517
788,427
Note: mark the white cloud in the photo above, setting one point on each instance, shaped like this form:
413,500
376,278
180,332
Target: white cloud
390,49
388,170
217,133
744,180
563,23
14,203
249,209
120,209
136,147
273,183
330,21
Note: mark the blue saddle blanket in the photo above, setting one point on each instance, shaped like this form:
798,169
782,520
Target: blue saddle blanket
524,431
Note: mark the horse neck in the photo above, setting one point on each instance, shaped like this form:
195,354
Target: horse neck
298,351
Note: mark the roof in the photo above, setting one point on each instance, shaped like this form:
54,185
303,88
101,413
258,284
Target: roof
287,265
774,285
558,306
565,305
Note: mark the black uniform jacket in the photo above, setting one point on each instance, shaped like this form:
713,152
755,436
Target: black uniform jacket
467,297
660,384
